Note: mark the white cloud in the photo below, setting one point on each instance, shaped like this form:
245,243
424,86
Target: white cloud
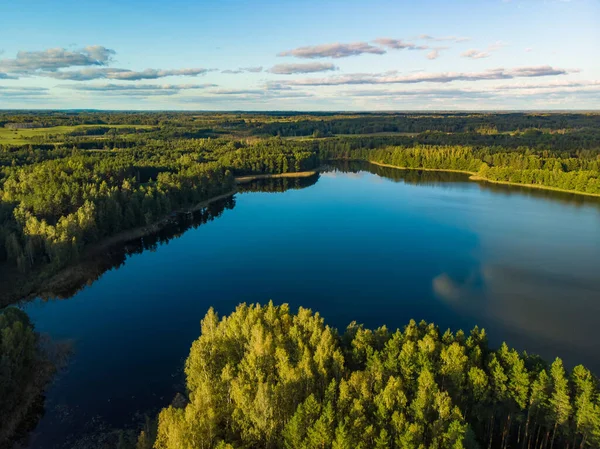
28,62
335,50
475,54
479,54
139,90
311,67
399,44
424,77
457,39
122,74
243,70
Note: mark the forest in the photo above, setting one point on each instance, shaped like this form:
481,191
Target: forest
263,376
70,180
266,377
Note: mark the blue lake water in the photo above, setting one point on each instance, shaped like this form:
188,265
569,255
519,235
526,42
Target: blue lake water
353,246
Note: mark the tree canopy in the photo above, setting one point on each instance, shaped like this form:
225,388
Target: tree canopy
266,377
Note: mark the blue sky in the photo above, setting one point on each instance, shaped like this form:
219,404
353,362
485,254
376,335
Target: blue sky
300,55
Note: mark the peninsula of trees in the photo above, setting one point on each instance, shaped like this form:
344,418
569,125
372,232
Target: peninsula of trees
266,377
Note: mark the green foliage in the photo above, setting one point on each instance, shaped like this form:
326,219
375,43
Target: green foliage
17,353
17,359
579,174
264,377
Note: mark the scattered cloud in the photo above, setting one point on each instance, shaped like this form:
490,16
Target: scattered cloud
311,67
57,62
469,98
335,50
29,62
238,92
556,90
253,69
435,52
246,95
23,93
556,86
5,89
139,90
457,39
419,93
243,70
399,44
480,54
122,74
475,54
423,77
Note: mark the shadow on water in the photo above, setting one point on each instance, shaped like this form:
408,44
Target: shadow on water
90,270
434,178
274,185
421,177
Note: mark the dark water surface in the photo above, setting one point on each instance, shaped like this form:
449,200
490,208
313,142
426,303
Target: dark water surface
376,248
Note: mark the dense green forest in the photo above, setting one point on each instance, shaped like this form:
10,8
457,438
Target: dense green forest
69,180
265,377
26,365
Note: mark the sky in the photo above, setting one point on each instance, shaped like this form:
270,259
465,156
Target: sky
300,55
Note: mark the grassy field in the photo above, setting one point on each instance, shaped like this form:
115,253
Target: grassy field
24,136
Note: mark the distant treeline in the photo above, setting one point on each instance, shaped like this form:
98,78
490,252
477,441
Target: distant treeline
305,123
546,169
420,123
264,377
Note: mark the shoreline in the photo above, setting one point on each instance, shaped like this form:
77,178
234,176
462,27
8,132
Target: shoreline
142,231
473,176
46,284
299,174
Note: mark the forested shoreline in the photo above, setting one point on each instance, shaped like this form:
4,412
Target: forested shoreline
100,174
266,377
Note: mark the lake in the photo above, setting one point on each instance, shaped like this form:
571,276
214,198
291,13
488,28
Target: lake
364,243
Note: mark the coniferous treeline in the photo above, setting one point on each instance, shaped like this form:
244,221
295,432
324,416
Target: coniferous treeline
264,377
305,123
581,174
479,123
52,208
